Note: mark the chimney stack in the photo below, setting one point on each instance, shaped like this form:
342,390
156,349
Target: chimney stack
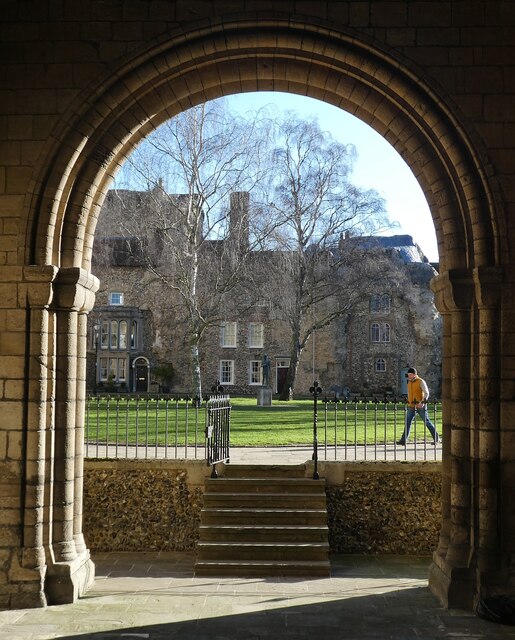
239,221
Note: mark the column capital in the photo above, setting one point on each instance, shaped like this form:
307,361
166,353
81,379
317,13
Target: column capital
38,281
454,290
75,289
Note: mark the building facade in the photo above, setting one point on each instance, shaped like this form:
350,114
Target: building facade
391,325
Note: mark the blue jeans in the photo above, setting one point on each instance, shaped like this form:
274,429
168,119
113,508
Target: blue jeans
410,415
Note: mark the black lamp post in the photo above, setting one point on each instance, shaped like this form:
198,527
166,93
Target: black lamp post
96,337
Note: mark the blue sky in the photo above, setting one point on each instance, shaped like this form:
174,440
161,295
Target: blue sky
378,165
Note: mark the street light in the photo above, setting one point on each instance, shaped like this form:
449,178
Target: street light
96,337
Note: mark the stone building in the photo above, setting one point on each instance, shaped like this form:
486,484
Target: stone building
135,329
396,327
84,82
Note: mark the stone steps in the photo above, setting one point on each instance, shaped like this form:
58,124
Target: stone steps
263,521
263,533
261,569
262,517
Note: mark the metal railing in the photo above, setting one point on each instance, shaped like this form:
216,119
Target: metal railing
369,428
171,427
144,426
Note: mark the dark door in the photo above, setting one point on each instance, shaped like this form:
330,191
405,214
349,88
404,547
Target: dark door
141,378
282,373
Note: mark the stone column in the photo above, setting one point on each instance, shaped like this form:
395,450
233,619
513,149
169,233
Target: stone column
451,576
486,448
36,454
78,536
70,571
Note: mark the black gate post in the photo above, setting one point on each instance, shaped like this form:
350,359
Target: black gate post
316,391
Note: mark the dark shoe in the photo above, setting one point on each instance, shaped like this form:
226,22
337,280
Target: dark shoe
401,442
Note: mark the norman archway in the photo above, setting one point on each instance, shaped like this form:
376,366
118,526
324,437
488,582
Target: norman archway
92,140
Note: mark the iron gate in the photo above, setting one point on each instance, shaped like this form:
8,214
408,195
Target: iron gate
218,428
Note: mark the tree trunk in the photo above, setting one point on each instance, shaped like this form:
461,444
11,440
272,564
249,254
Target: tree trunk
197,378
289,385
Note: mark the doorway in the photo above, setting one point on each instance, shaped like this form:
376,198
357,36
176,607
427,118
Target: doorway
141,377
281,369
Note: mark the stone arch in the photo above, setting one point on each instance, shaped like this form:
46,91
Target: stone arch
251,55
293,55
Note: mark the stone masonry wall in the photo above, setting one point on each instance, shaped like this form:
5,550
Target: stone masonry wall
154,505
142,505
385,511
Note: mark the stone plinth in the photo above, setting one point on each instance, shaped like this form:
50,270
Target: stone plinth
264,397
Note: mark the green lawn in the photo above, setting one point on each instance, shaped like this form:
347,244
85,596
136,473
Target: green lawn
284,423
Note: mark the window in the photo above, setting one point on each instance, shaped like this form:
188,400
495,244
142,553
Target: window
103,368
104,335
385,332
113,334
385,303
113,369
256,335
122,369
375,303
134,335
122,341
380,365
226,372
255,372
228,338
379,332
380,303
116,298
113,342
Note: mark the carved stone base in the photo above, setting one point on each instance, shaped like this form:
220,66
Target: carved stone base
455,590
67,581
30,599
264,397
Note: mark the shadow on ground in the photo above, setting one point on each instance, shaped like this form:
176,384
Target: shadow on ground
407,614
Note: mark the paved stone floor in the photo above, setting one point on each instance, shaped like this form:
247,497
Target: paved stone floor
421,452
156,596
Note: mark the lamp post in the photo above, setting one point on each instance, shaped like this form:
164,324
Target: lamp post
96,337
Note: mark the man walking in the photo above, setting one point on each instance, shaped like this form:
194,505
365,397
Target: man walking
418,394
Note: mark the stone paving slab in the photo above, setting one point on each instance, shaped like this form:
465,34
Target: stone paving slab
156,596
422,451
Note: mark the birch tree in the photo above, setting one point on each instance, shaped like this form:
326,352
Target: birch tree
319,276
192,248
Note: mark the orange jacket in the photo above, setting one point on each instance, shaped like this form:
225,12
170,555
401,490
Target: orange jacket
417,391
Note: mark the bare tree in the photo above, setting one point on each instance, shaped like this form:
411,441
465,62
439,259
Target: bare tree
318,275
210,245
196,245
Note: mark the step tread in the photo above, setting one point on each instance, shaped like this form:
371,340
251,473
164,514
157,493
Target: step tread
264,563
267,527
264,480
273,544
235,510
267,494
